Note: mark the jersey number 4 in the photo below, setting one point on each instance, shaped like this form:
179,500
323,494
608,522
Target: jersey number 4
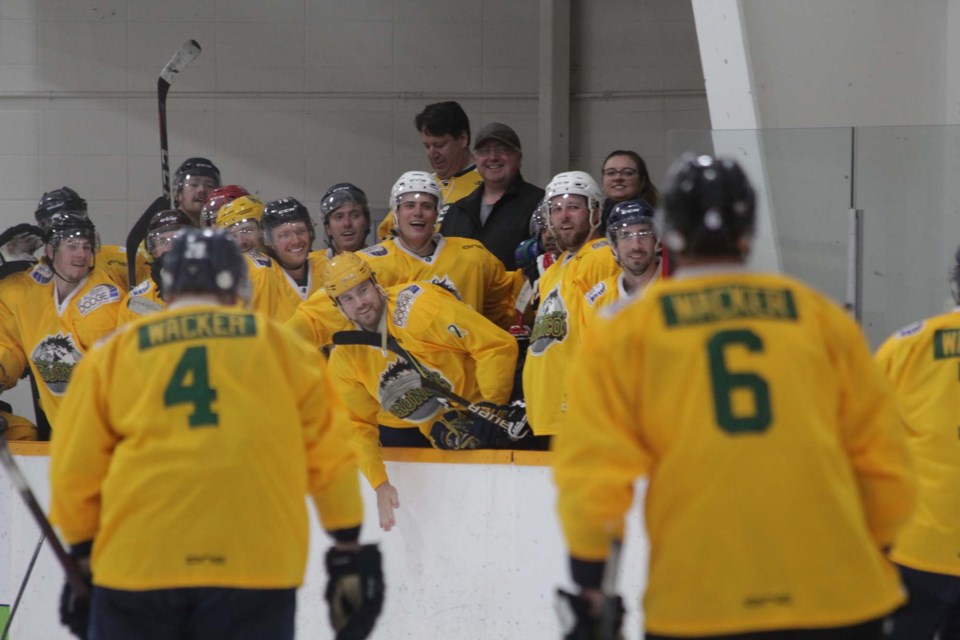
726,384
190,384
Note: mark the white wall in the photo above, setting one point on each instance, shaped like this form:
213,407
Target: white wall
291,96
476,554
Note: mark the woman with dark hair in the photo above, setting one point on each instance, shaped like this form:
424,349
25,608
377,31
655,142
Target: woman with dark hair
625,177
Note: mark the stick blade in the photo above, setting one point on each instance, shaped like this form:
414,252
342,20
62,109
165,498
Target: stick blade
180,60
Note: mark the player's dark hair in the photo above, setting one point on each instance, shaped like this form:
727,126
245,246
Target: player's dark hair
442,118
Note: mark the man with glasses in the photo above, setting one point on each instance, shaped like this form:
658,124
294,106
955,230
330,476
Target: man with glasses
635,246
498,212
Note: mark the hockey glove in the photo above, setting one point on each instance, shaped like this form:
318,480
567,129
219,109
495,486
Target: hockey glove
74,610
354,591
512,418
17,245
577,623
459,431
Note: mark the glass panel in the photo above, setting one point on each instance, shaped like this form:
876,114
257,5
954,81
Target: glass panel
906,183
802,177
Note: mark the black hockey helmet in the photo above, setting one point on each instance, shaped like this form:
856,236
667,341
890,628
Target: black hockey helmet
62,199
70,224
282,211
340,194
955,277
708,206
627,213
195,167
204,261
164,222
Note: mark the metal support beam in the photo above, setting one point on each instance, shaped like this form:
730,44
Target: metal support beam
554,98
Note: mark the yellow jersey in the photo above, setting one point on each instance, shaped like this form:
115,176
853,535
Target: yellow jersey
195,435
556,332
777,467
113,259
922,361
51,335
140,301
460,348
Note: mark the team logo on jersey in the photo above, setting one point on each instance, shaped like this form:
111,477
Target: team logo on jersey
599,244
97,297
404,299
550,325
446,283
42,273
377,251
597,291
55,357
910,329
259,260
141,288
402,394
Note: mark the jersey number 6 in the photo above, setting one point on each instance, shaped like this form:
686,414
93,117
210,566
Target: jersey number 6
726,383
190,384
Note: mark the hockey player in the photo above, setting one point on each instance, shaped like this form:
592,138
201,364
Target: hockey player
240,218
288,234
443,340
778,472
921,362
112,258
445,133
635,247
147,297
574,219
218,198
166,452
346,218
462,266
53,313
193,182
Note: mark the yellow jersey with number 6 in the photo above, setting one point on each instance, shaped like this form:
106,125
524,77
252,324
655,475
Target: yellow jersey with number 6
777,467
194,436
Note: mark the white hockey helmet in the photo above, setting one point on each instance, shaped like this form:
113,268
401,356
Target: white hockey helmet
578,183
415,182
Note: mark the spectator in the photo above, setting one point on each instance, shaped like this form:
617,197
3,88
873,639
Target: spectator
625,177
445,132
498,212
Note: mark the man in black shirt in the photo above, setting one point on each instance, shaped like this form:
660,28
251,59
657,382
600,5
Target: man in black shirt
498,212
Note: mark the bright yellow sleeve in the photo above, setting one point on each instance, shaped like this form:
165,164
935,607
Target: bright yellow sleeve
500,297
317,319
13,360
19,429
362,409
331,461
873,435
81,449
598,453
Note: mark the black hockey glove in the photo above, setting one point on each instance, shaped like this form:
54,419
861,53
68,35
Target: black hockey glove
460,431
74,610
17,245
512,418
354,591
576,622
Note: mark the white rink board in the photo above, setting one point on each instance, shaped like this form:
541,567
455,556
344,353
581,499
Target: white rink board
476,555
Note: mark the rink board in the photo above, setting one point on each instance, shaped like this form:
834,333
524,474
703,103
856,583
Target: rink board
476,553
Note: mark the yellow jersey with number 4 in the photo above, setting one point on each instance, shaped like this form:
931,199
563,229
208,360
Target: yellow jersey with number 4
195,435
923,363
777,468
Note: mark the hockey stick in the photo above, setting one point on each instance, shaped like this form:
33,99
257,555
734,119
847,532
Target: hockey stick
515,429
183,57
180,60
23,586
74,576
